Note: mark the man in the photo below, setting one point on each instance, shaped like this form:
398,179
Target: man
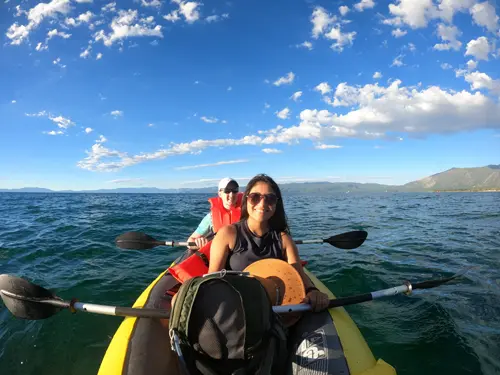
224,209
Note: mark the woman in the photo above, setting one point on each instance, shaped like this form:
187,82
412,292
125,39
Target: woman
261,233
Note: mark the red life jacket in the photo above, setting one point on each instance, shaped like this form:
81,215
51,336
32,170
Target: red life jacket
197,264
221,216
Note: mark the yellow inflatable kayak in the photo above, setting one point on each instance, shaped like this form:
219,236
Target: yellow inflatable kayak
325,343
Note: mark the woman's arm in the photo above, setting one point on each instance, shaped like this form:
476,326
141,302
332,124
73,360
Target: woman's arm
222,245
318,300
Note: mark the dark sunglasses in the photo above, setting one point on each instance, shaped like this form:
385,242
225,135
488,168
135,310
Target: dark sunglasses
269,199
229,191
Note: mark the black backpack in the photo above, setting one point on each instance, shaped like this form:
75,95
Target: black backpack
223,323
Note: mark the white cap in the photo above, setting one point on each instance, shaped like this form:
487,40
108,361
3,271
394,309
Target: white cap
226,181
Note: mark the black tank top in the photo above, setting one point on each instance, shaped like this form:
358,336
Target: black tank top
250,248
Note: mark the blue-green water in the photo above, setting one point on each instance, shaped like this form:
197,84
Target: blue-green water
64,242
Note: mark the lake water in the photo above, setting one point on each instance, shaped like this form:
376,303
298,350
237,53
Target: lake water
65,242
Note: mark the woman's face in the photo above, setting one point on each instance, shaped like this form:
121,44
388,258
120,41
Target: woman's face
261,202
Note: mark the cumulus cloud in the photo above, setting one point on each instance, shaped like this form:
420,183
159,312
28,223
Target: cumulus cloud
305,44
283,114
343,10
187,9
286,80
271,151
480,81
479,48
296,95
484,15
364,4
398,33
89,130
449,35
151,3
471,65
62,122
127,25
446,66
322,21
324,88
116,113
19,33
377,75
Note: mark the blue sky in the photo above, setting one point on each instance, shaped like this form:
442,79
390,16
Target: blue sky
97,94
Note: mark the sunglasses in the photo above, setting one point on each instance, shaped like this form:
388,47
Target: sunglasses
229,191
269,199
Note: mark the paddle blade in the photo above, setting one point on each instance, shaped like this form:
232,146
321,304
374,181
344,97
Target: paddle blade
26,300
348,240
136,241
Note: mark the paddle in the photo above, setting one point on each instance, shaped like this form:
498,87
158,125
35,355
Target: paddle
26,300
143,241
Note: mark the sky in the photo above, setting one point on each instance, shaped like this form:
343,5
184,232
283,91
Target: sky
98,94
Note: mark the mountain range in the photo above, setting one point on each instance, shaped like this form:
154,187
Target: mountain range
455,179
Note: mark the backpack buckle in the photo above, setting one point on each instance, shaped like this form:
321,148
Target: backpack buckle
222,273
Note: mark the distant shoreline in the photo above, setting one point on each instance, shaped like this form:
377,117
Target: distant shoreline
468,191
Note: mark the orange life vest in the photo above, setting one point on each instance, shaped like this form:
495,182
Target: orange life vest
221,216
197,264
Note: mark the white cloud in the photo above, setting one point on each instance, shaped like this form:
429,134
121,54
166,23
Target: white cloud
188,9
84,1
471,65
480,81
449,35
342,39
267,105
126,181
484,14
151,3
110,7
447,8
398,33
398,61
324,88
85,17
125,25
296,95
321,19
411,47
216,18
286,80
364,4
377,75
305,44
116,113
53,132
326,147
14,101
86,52
343,10
271,151
446,66
415,13
62,122
283,114
41,47
89,130
479,48
213,164
209,120
58,63
38,114
54,32
99,56
19,33
101,139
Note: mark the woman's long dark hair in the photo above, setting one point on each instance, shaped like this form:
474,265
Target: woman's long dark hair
278,221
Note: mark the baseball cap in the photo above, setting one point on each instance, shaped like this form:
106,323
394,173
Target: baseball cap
227,181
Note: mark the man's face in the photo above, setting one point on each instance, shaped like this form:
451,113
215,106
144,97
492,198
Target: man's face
229,195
